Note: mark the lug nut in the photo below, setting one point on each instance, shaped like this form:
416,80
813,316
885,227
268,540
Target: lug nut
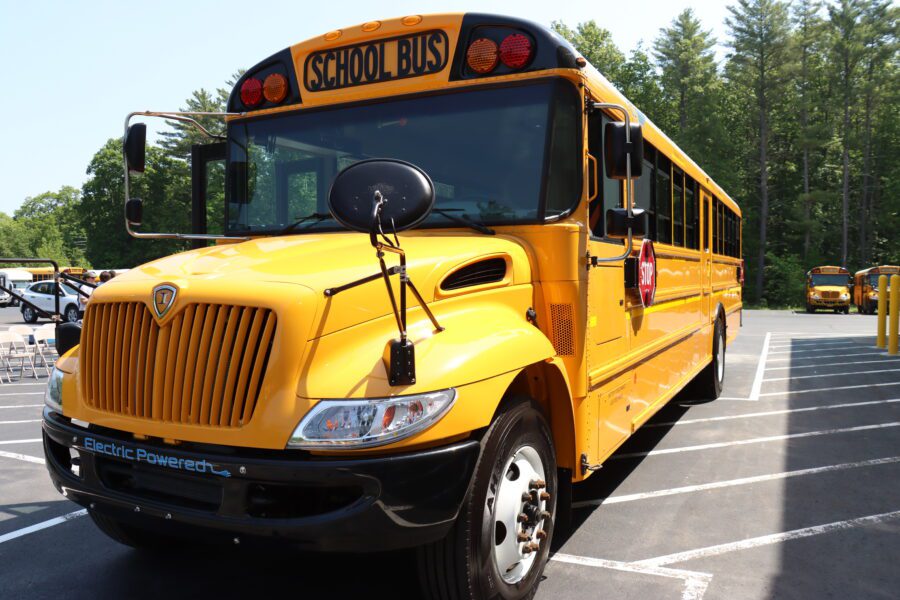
544,515
523,537
522,518
540,534
532,547
544,496
539,484
527,497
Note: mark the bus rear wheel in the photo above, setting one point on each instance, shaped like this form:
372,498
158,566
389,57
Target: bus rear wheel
708,383
500,542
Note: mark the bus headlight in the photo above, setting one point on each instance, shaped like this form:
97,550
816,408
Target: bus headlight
815,296
369,422
845,296
53,393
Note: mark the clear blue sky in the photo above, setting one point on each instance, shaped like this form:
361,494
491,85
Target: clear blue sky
73,70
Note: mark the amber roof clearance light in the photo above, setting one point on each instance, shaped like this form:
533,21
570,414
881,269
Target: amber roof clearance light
482,55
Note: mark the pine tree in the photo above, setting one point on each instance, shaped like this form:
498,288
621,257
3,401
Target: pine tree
760,33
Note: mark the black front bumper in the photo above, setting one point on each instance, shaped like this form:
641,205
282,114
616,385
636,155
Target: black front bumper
349,505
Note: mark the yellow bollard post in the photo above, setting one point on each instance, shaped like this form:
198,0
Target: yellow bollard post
894,308
882,311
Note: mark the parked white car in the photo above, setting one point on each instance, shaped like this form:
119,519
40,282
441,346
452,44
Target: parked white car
41,295
17,279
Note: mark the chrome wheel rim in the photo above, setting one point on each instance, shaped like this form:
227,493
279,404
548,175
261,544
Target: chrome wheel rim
520,514
720,359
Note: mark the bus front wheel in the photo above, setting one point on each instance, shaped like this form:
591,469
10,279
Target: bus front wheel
708,383
500,543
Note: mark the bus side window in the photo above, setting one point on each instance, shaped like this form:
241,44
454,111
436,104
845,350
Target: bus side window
663,199
643,189
610,193
678,207
691,215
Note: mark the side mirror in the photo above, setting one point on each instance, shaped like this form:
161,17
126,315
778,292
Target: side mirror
616,149
618,222
407,190
135,147
134,211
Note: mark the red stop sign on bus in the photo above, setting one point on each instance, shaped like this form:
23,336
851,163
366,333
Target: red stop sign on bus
647,273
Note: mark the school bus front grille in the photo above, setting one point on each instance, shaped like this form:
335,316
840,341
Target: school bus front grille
831,295
203,367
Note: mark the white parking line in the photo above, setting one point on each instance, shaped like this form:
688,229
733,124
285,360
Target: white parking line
805,344
24,457
695,583
17,422
872,352
765,540
831,349
830,389
21,441
846,363
9,385
21,406
733,482
770,413
759,440
843,374
24,394
42,525
812,335
760,369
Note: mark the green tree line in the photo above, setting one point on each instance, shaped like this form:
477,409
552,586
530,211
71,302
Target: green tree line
798,122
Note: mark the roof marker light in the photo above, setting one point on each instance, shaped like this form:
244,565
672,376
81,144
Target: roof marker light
515,51
482,55
275,88
251,92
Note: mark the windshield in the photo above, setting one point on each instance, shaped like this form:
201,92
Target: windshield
496,156
20,284
836,279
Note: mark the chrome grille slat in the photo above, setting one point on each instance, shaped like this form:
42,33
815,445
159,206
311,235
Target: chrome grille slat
205,366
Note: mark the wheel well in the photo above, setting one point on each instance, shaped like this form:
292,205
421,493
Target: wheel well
546,385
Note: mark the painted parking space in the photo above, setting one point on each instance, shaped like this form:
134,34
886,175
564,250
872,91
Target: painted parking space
789,486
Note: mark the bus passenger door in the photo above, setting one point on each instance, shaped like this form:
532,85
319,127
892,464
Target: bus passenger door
705,255
606,339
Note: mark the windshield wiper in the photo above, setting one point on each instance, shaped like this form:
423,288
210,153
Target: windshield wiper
464,220
316,216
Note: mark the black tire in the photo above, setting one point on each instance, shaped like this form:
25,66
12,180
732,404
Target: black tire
708,383
136,537
462,566
71,313
29,315
810,309
846,310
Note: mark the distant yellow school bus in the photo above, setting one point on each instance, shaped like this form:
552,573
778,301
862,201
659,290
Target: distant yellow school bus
865,287
829,288
284,383
46,273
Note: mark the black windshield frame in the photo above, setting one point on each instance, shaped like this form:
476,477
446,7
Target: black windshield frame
564,96
840,279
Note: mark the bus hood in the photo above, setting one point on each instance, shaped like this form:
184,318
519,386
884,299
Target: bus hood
321,261
820,289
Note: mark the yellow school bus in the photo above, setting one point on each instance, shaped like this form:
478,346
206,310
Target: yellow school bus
828,287
458,270
46,273
865,287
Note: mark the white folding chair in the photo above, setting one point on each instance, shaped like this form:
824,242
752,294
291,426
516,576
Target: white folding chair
43,349
5,349
19,350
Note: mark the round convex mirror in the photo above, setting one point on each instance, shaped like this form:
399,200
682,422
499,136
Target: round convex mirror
407,188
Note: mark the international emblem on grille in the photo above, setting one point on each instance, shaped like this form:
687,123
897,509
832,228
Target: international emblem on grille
163,298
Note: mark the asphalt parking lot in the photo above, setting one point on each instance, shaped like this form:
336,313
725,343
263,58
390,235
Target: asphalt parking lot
786,487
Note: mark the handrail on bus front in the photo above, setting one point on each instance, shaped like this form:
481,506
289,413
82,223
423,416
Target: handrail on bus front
184,117
629,185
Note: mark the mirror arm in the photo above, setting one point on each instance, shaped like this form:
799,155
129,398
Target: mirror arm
185,117
629,185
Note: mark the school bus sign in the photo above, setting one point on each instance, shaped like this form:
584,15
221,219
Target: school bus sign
647,273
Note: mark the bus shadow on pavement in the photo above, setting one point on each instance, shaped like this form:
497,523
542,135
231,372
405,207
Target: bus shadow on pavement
607,480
